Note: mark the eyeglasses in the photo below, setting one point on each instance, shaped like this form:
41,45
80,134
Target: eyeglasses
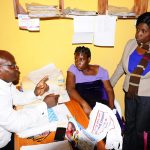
11,66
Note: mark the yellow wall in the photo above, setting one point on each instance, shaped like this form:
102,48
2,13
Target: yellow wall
53,43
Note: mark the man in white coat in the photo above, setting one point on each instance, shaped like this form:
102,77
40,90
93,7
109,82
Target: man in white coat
11,120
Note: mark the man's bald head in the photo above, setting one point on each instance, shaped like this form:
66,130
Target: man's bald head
5,55
9,71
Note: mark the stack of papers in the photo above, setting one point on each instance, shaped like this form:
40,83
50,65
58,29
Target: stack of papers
42,11
120,11
78,12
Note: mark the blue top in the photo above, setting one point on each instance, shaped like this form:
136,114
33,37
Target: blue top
134,60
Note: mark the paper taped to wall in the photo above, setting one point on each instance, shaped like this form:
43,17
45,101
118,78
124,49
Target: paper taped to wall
99,30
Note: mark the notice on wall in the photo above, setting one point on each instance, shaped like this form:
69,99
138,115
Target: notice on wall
27,23
99,30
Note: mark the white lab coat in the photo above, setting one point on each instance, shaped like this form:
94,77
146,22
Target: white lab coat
17,120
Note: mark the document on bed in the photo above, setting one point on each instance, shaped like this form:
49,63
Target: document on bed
63,145
58,117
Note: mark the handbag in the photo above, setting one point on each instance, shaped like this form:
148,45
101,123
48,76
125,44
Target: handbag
146,138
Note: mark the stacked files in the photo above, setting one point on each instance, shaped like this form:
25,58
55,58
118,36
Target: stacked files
42,11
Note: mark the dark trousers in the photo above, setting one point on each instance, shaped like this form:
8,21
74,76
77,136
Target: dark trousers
137,116
10,145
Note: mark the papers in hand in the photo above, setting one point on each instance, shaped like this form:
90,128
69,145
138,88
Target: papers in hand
61,91
49,70
56,81
103,123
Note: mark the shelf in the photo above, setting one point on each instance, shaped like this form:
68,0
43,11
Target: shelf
18,9
102,9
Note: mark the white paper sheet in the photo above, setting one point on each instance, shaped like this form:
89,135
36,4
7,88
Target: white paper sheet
82,37
104,33
63,145
27,23
49,70
84,23
99,30
83,29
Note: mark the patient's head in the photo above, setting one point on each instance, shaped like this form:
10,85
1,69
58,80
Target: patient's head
82,56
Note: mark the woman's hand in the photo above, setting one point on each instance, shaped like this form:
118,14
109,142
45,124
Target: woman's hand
87,109
51,100
41,87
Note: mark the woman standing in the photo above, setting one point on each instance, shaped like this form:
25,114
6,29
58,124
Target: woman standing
135,64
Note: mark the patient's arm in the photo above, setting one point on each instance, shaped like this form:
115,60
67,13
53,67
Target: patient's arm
70,86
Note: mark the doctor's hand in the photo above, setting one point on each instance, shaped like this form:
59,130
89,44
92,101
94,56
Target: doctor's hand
51,100
41,87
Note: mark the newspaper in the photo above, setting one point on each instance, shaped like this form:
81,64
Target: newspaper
102,124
